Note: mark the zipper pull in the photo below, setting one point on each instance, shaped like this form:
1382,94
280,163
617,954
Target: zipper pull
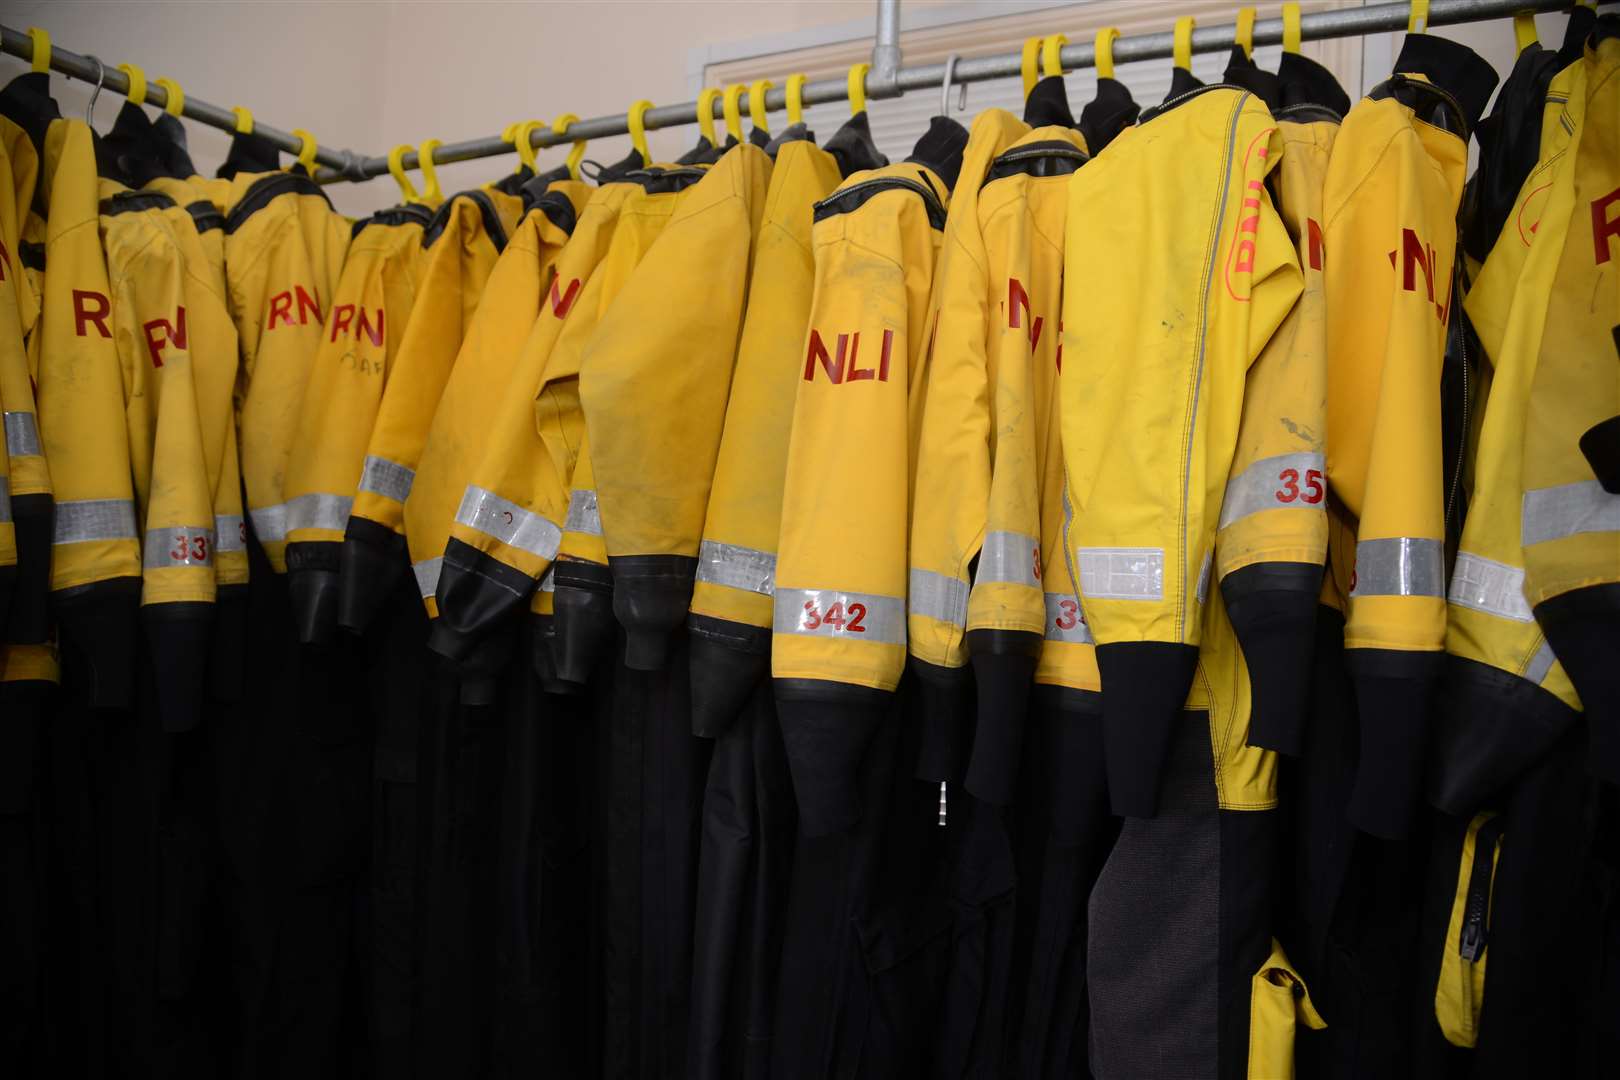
1471,942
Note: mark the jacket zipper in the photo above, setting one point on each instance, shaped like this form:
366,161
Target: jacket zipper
1052,151
1441,92
262,192
1471,940
922,190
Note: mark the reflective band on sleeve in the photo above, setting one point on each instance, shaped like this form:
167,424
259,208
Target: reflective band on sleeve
94,519
938,597
832,613
1556,512
182,545
269,523
1399,566
582,514
1489,586
737,567
1009,557
508,522
230,532
1065,621
427,575
319,511
548,581
387,478
22,435
1540,664
5,499
1283,482
1203,576
1122,573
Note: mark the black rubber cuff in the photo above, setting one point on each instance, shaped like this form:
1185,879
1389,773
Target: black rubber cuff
1273,611
1601,445
23,704
476,593
1069,725
728,661
372,559
584,618
945,708
99,623
177,638
1583,628
29,621
1145,685
313,589
1004,671
1393,691
8,582
1490,728
651,595
826,728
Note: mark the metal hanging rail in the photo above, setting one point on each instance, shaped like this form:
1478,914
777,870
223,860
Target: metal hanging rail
90,70
887,79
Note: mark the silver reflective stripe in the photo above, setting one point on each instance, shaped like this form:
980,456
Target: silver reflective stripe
508,522
1540,664
22,435
1122,573
5,499
1203,576
857,616
938,597
1065,621
387,478
94,519
181,545
1399,566
427,575
548,581
319,511
737,567
1556,512
230,533
1489,586
582,514
1009,557
269,523
1264,486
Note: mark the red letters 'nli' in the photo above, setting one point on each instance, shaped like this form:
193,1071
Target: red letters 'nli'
841,365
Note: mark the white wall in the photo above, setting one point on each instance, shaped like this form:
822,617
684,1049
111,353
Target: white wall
367,75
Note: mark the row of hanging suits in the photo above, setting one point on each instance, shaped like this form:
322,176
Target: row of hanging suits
696,623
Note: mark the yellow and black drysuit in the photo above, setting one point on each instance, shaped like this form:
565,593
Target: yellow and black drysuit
464,241
1390,237
652,463
370,310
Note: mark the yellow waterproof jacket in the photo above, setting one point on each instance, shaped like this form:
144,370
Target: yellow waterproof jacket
839,632
1390,204
18,309
1570,527
730,620
1199,272
654,392
284,251
370,309
464,241
514,299
986,424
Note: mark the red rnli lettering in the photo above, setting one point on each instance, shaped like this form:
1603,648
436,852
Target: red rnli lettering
281,308
5,262
562,302
1018,310
344,317
90,307
1603,226
1415,255
1313,242
374,333
161,333
841,363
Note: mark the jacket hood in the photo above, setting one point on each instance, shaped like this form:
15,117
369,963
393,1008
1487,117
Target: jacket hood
1109,113
1048,104
1242,71
852,146
249,154
940,148
1454,68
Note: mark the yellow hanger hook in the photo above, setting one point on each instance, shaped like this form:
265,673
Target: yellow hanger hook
175,101
524,142
576,153
1524,32
42,48
137,83
1418,21
1183,42
756,105
1052,55
1290,16
396,169
705,113
1103,50
1245,32
732,107
1028,67
635,119
431,193
795,98
306,152
244,119
857,88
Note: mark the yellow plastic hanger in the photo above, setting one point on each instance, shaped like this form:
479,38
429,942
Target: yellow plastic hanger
1028,67
731,105
1290,16
1524,32
1183,42
431,194
244,119
396,169
1418,21
306,152
795,98
137,83
42,49
1103,48
175,102
1052,55
524,143
756,105
1245,32
576,153
705,113
857,88
635,119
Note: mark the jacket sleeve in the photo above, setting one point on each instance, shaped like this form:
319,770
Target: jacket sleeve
95,553
29,490
654,458
1271,539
